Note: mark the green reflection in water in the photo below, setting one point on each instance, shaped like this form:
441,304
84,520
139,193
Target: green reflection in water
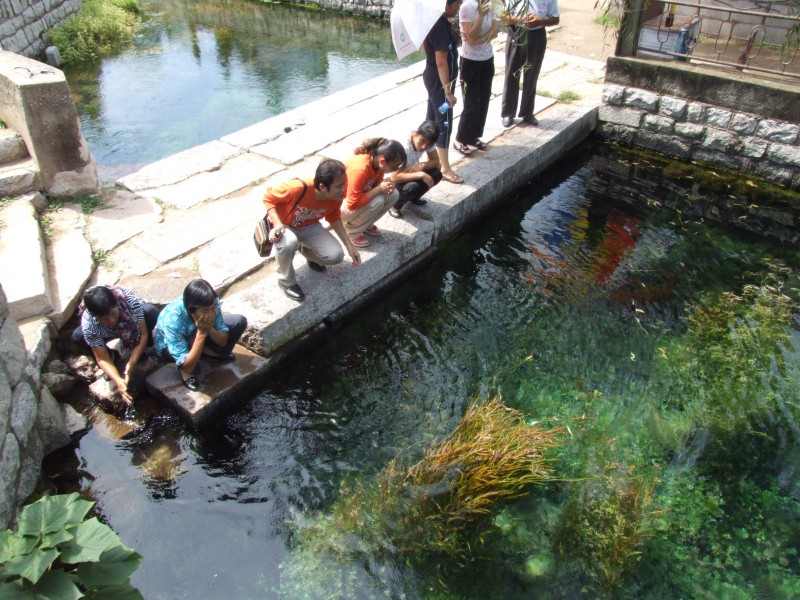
201,69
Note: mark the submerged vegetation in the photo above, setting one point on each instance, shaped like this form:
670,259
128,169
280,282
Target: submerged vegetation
99,28
441,505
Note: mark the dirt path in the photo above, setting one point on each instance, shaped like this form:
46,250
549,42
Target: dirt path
579,34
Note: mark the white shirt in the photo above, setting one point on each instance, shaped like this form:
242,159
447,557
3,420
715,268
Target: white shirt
467,15
544,9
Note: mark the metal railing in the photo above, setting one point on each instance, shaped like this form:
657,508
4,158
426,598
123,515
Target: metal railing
758,41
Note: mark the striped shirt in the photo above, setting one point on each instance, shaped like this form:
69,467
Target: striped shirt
96,335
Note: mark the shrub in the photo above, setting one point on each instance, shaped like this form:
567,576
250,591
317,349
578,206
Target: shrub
56,554
100,28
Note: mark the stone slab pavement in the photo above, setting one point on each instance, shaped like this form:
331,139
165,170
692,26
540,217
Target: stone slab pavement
210,197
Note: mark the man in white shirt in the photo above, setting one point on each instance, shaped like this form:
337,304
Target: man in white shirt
416,176
525,47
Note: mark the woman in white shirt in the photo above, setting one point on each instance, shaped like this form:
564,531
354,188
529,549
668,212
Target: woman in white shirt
478,28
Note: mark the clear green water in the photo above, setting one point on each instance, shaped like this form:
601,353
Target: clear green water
201,69
665,344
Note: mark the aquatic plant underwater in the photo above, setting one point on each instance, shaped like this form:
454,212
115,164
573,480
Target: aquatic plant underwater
672,467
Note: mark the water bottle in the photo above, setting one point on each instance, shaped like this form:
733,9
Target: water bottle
444,108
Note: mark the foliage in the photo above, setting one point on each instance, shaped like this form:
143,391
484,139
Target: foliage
568,96
55,553
98,29
88,203
438,505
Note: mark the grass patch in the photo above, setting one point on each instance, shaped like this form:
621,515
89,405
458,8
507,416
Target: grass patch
608,21
46,223
567,96
99,29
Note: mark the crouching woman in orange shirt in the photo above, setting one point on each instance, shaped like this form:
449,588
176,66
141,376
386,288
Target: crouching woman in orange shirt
368,196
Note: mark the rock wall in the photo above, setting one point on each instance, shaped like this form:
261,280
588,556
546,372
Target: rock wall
370,8
31,424
705,117
24,23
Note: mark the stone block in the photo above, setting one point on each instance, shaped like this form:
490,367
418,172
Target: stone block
664,144
220,384
690,131
58,383
617,133
74,422
31,454
718,117
778,131
784,154
19,177
50,423
5,404
23,410
753,147
674,108
658,124
641,99
720,141
11,146
23,268
695,112
9,476
12,351
613,94
742,124
71,264
618,115
37,333
229,257
124,216
712,157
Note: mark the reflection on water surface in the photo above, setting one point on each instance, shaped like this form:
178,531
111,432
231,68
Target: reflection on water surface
201,69
667,345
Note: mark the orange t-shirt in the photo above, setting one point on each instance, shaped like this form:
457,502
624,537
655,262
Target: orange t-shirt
361,178
308,210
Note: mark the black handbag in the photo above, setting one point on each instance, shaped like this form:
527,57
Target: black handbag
264,226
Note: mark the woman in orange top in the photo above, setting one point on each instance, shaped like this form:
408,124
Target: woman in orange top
368,196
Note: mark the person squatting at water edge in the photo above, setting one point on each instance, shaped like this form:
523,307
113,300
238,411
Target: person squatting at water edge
527,42
295,209
193,326
478,28
368,196
414,179
439,77
111,313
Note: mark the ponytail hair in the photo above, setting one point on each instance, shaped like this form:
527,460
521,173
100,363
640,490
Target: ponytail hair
391,150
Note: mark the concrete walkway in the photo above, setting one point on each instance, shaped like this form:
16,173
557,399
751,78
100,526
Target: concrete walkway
192,214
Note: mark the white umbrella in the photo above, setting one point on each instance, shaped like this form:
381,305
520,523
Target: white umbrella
411,21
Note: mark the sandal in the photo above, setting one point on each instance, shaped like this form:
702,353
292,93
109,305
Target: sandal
480,145
453,178
462,148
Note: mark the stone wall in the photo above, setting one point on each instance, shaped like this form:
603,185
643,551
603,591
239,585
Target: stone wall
703,116
370,8
31,424
24,23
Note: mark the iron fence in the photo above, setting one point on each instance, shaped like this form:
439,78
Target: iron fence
757,40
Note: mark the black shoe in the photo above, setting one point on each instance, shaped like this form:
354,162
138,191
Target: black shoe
190,381
419,201
393,212
530,121
318,268
294,292
508,121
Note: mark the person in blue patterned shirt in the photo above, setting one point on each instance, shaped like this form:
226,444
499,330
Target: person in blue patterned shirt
193,326
109,313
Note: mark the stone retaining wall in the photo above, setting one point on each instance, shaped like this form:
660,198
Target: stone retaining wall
31,424
369,8
719,120
24,23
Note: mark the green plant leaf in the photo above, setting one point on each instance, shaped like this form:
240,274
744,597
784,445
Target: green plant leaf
92,538
13,544
114,592
115,566
32,565
55,585
51,540
52,513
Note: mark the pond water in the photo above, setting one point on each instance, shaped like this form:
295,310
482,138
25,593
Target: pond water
201,69
667,347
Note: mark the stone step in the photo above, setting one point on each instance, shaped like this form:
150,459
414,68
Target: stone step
69,261
12,147
19,177
23,268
